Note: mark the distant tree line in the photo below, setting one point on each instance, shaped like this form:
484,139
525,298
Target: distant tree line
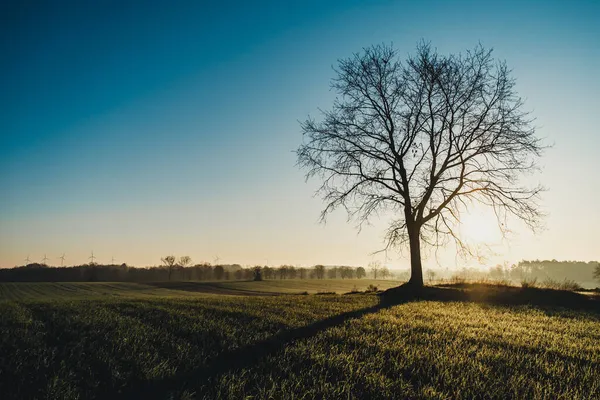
587,273
181,270
542,270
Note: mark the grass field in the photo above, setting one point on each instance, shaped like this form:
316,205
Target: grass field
162,342
85,290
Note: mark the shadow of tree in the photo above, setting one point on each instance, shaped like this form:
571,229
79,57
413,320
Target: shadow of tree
494,294
251,354
239,358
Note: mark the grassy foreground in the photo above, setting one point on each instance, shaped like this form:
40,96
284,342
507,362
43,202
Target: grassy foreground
294,347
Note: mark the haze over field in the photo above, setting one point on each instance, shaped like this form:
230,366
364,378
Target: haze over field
140,132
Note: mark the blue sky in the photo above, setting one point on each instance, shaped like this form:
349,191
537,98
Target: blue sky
141,129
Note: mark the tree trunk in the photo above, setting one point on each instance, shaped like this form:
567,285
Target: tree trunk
416,269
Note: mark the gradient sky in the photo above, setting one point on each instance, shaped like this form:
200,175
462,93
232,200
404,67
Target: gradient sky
139,129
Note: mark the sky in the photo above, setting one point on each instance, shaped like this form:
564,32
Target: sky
139,129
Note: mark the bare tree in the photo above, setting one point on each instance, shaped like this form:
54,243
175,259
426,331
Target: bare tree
423,141
374,266
431,275
169,262
301,272
385,272
185,261
183,264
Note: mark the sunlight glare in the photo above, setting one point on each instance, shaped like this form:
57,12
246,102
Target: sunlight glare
479,225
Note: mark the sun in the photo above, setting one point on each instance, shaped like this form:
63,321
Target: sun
479,225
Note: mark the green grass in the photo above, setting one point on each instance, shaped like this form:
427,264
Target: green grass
84,290
77,290
292,347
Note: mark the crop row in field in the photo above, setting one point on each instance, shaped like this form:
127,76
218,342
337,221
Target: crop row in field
295,347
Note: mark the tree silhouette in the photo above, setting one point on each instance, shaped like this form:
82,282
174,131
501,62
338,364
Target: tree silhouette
320,271
185,261
219,272
257,273
169,262
423,140
385,272
431,275
360,273
374,266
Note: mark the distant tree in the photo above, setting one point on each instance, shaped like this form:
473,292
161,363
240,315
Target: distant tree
385,273
283,271
219,272
319,271
360,273
268,272
185,261
169,262
375,267
346,272
431,275
301,272
238,274
423,140
497,272
257,273
332,272
248,274
597,272
203,271
291,272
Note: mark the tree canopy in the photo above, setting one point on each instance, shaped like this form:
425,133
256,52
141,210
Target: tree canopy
423,140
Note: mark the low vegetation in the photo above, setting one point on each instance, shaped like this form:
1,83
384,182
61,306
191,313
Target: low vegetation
452,343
